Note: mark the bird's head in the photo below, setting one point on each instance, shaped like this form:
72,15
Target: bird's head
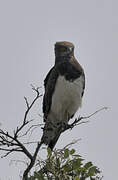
64,49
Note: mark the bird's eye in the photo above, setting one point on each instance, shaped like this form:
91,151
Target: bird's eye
62,49
70,48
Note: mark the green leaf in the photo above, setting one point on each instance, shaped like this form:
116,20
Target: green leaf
66,153
77,155
76,164
32,178
72,151
88,165
58,162
76,178
93,171
38,176
67,167
49,151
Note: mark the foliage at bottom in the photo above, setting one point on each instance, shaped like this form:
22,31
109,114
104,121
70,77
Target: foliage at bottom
65,164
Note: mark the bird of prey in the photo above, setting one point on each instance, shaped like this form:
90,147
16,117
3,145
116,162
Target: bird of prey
64,88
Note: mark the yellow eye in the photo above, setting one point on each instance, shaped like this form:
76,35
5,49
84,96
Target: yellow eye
62,49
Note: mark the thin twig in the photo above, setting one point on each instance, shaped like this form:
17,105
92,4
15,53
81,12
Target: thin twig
7,141
77,120
26,102
70,144
101,109
29,129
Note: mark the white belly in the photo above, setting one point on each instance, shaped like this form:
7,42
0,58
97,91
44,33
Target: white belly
66,98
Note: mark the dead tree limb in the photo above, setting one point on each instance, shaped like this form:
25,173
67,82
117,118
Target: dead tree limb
11,143
77,122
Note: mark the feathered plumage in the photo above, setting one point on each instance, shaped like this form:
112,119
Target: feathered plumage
64,88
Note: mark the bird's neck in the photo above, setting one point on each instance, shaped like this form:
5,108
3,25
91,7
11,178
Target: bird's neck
59,59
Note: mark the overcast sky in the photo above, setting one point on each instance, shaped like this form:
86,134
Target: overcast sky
28,32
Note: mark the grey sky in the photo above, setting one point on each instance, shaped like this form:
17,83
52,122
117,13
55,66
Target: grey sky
28,31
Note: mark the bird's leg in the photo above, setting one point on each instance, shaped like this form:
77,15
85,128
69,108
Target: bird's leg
65,125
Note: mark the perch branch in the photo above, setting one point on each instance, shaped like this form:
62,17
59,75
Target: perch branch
77,120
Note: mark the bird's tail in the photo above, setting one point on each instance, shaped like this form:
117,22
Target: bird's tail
53,142
51,134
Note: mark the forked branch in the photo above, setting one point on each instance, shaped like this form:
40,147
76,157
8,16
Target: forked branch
11,143
79,121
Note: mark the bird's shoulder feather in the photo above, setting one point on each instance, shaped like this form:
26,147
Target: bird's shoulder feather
49,84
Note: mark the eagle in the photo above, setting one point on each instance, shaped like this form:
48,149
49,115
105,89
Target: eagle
64,88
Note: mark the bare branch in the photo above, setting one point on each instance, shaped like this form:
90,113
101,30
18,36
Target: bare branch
26,102
29,106
70,144
29,129
10,151
104,108
77,120
32,162
13,141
